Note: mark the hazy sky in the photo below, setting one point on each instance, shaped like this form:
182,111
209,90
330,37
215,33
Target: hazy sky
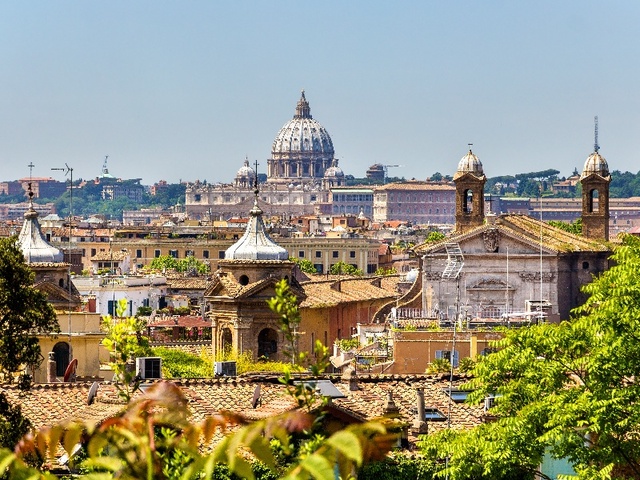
186,89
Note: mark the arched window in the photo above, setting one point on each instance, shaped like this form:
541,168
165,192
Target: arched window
61,351
267,343
226,340
592,204
467,201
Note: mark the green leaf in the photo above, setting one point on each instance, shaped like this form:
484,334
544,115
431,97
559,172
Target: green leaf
6,458
347,444
318,467
113,464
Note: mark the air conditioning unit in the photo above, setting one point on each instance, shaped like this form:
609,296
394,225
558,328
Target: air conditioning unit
489,401
225,369
149,367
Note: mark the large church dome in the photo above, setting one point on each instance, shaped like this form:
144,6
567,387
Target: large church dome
302,148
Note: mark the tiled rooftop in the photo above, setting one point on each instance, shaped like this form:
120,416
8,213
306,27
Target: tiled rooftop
46,404
328,293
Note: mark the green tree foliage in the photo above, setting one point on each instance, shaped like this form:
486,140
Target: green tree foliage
435,237
305,265
179,364
383,272
342,268
24,313
125,341
439,365
397,467
570,389
574,227
165,263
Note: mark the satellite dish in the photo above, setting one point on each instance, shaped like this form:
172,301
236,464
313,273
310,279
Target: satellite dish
92,393
70,372
256,397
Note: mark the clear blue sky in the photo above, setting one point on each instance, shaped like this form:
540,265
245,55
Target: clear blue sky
185,90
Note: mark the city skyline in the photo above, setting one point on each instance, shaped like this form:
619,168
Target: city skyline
186,92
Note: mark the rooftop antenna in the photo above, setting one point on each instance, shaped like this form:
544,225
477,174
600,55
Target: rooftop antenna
104,165
596,147
31,165
470,145
255,178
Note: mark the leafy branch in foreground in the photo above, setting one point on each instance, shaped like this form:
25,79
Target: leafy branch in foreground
125,342
156,438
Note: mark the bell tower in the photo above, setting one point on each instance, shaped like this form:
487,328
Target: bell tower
469,180
595,180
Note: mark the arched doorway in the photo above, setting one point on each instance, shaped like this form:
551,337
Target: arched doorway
61,352
267,343
226,341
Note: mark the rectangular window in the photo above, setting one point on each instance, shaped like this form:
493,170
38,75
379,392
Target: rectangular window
447,355
335,254
319,268
138,253
318,254
352,254
433,414
221,254
205,254
301,254
173,253
188,253
156,254
93,252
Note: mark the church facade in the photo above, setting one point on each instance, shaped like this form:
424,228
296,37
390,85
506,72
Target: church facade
515,265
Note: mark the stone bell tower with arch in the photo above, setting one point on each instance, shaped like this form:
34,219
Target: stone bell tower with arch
595,180
469,180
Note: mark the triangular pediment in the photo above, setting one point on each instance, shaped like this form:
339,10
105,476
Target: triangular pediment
520,234
58,296
227,286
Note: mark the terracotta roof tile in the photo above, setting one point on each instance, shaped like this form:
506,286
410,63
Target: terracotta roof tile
187,283
46,404
333,292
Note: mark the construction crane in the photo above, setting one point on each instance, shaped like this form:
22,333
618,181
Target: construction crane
386,170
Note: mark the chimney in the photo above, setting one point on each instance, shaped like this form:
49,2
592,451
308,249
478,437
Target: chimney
91,303
419,425
350,376
51,368
390,408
